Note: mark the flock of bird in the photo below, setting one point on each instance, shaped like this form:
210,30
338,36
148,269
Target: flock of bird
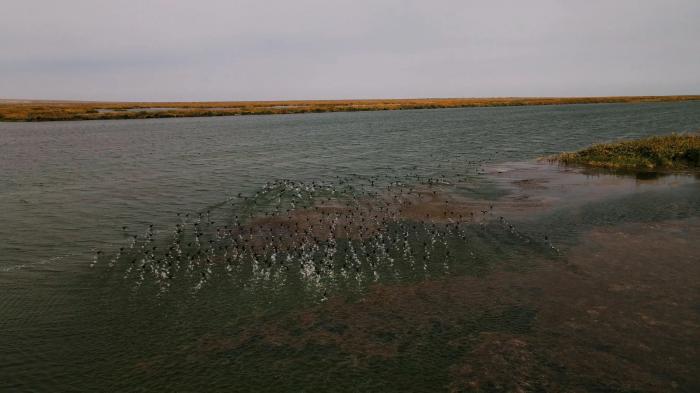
349,233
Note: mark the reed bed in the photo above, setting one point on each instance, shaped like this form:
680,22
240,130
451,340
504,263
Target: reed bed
669,152
72,110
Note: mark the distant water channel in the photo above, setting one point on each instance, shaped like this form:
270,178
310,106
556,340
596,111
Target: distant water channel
418,250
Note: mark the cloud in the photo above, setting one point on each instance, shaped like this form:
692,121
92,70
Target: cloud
211,50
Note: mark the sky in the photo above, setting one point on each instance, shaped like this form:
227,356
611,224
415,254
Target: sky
157,50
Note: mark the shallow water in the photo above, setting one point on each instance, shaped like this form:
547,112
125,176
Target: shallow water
344,251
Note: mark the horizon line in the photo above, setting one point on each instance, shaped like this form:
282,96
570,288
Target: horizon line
78,101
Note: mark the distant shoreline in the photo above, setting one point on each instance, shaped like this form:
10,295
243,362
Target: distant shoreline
52,110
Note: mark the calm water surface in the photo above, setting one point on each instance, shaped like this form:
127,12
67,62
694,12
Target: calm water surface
410,210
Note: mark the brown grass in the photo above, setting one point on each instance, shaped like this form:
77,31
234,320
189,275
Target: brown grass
18,110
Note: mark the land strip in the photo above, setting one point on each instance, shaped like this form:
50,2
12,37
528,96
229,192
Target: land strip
35,110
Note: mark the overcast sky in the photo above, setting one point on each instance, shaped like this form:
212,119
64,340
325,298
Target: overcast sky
303,49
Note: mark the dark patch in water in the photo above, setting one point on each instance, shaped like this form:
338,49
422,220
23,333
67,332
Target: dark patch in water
648,175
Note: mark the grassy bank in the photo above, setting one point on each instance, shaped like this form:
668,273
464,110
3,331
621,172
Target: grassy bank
669,152
66,110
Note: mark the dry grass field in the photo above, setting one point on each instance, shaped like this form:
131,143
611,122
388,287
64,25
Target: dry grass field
34,110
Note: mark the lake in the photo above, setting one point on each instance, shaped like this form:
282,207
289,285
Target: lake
416,250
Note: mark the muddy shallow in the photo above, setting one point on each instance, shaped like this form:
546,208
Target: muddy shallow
547,285
609,318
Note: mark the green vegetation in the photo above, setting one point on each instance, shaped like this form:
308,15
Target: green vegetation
74,110
669,152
